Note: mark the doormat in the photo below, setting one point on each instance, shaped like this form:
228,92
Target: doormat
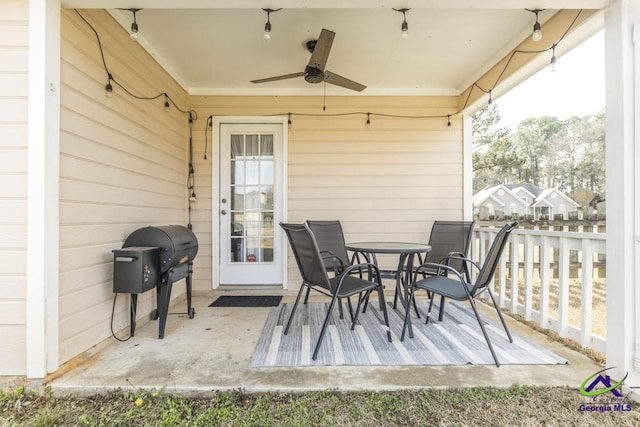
247,301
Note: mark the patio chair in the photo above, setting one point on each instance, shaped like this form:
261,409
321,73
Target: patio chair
314,276
330,239
461,289
447,239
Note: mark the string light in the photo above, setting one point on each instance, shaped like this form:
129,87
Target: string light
553,63
267,26
537,31
166,103
134,25
108,89
405,26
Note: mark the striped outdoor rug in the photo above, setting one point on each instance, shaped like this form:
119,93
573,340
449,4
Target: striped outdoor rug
457,340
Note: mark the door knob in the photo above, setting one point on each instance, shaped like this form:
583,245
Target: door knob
223,212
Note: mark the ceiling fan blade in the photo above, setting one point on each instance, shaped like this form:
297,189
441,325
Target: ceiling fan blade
284,77
337,80
321,50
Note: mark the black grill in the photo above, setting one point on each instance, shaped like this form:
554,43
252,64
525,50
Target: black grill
155,257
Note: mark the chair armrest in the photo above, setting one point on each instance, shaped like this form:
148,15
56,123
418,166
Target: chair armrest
330,255
441,270
373,270
462,258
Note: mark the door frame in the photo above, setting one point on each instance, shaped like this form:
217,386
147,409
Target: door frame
217,123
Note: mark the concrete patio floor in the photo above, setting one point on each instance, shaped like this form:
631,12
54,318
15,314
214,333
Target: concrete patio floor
212,352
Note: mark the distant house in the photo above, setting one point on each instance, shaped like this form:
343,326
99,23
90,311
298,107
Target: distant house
522,200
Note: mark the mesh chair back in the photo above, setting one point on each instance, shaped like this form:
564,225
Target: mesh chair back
307,255
330,238
447,237
493,256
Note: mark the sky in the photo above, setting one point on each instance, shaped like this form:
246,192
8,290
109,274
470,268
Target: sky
575,88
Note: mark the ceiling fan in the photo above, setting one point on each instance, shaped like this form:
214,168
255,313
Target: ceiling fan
314,72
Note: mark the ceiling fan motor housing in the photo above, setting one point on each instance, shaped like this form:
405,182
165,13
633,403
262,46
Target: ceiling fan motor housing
313,75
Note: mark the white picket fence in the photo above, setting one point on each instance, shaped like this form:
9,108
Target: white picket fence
548,277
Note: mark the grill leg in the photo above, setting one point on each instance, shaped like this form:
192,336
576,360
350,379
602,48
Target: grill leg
190,311
164,296
133,306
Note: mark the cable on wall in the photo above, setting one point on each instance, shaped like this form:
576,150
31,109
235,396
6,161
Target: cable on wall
168,102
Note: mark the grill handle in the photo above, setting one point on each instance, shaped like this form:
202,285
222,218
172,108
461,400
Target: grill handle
126,258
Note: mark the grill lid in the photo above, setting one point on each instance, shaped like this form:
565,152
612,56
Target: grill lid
178,244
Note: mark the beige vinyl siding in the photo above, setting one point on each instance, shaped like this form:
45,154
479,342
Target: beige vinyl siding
122,167
14,46
388,181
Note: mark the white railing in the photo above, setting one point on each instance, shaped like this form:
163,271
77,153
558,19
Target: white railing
553,278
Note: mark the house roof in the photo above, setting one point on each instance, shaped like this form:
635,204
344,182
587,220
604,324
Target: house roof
547,197
217,47
532,189
492,192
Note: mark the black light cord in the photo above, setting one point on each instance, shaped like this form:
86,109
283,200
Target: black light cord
475,85
519,51
209,125
104,63
113,310
192,114
191,180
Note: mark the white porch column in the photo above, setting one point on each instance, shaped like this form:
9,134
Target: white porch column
622,54
467,156
43,187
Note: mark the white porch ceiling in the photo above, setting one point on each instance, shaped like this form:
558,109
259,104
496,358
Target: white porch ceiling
216,47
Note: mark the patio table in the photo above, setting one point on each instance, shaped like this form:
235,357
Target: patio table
406,252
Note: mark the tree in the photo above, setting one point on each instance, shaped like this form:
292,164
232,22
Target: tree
544,151
531,142
488,157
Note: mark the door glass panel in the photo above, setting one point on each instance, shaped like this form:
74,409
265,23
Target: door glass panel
267,249
252,186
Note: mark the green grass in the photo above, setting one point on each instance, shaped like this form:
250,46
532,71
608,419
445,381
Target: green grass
518,405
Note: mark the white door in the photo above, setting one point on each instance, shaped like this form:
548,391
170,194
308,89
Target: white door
250,204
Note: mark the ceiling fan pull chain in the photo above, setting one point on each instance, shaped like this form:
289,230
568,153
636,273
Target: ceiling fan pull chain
324,98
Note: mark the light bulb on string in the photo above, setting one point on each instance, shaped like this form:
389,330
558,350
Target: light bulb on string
536,36
134,31
449,120
405,25
108,89
134,25
267,31
553,64
368,120
267,25
166,103
289,121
